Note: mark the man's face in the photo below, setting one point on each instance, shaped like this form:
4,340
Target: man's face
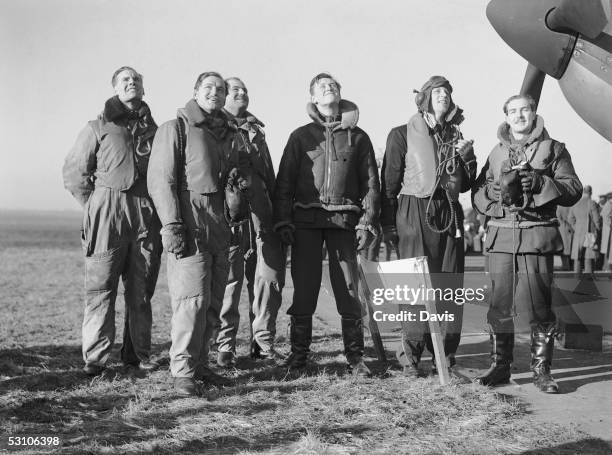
237,96
128,86
520,116
210,95
325,92
440,100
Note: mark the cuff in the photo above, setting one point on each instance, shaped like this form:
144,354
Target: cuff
281,224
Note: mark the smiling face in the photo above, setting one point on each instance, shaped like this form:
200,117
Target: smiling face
237,96
325,92
210,95
440,101
128,86
520,116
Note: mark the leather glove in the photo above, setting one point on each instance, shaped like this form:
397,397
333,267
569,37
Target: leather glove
531,181
465,150
286,235
493,191
173,239
236,197
363,238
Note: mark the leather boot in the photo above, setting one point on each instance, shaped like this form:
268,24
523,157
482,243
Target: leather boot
542,342
502,345
300,335
352,335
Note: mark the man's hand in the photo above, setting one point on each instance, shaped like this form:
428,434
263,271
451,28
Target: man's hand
173,239
531,181
286,235
363,238
493,191
465,150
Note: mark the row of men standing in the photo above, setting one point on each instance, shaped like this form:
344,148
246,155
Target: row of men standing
587,234
327,191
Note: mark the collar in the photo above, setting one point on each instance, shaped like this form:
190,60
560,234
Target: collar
115,110
538,133
246,119
349,115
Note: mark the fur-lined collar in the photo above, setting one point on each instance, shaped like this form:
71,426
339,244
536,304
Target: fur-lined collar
217,122
538,133
195,115
115,110
349,115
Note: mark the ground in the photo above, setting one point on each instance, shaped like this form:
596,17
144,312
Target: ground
265,410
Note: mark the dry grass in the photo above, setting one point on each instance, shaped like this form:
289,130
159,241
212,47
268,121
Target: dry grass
266,411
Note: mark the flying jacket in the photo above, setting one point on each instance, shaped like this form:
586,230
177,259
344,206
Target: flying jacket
251,144
203,168
536,226
411,160
108,154
330,166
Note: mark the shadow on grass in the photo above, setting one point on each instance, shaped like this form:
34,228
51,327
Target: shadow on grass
588,445
57,367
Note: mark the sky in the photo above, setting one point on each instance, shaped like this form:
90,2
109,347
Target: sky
58,57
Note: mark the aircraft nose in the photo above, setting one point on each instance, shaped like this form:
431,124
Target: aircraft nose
522,25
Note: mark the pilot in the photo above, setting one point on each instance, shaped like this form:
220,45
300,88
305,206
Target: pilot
106,171
523,235
427,164
190,167
327,192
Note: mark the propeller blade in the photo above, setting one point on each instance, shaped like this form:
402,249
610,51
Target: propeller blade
521,24
586,17
533,82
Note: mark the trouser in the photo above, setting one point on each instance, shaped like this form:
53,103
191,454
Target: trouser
242,262
445,258
256,253
307,269
110,253
533,293
195,283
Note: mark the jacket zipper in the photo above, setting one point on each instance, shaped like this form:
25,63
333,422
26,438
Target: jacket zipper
328,158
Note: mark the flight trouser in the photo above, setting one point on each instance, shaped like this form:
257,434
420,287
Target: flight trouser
256,253
307,269
197,281
533,293
445,258
121,239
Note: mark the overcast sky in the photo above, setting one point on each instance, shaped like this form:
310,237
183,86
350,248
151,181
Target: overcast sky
58,57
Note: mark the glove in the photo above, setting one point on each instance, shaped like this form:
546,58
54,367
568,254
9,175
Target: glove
363,238
286,235
465,150
173,239
235,197
493,191
531,181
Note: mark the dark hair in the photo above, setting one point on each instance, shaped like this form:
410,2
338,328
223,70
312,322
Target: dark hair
123,68
233,78
320,76
529,98
203,76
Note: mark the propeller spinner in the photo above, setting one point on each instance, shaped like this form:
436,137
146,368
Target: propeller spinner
569,40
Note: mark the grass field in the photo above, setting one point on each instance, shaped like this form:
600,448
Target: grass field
266,410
